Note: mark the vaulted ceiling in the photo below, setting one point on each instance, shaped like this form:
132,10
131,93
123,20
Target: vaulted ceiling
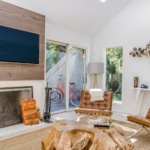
84,16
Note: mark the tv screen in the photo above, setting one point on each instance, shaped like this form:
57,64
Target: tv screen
18,46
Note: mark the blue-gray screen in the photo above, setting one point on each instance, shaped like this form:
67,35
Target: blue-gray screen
18,46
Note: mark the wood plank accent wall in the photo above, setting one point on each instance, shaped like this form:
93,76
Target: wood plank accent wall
22,19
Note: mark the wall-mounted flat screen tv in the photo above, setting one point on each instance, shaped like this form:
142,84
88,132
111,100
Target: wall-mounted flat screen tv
18,46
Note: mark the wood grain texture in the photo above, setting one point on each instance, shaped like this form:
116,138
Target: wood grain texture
22,19
76,135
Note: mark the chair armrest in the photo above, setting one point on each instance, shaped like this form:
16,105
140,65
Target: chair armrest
139,120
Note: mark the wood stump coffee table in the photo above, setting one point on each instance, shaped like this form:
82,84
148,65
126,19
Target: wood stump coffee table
81,135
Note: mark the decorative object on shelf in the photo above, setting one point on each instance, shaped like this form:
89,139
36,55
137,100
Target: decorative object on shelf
139,52
144,86
136,82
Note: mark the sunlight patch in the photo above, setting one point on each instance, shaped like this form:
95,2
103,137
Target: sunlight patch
127,129
133,140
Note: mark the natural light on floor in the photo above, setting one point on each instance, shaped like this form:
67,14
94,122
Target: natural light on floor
133,140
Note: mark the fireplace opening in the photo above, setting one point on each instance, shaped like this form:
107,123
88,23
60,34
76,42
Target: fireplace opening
10,109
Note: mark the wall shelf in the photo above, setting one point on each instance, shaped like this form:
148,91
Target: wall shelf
140,92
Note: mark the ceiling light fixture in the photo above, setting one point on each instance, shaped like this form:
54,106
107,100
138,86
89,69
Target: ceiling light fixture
103,1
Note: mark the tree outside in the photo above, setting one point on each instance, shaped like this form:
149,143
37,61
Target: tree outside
114,71
54,53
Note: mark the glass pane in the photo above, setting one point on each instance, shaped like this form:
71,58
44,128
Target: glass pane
114,71
77,74
56,74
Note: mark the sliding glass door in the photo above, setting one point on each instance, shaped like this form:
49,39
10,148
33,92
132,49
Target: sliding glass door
65,74
76,75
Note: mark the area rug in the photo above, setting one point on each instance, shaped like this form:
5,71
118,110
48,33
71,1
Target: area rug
141,141
32,140
28,141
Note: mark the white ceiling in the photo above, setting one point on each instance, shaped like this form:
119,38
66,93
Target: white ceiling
84,16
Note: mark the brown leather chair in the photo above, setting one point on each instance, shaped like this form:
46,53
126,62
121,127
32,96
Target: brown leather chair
144,121
97,107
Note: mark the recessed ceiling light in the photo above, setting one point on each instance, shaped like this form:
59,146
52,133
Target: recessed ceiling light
103,1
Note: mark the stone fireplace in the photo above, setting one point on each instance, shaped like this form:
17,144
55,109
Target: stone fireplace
10,110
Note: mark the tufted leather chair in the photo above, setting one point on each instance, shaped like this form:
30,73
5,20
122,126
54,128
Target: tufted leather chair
144,121
97,107
141,120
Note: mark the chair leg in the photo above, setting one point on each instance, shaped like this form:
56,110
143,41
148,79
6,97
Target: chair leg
79,116
146,129
143,127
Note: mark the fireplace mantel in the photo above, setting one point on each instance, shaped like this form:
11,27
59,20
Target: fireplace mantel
5,89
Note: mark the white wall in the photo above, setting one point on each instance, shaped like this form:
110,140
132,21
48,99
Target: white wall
129,28
60,34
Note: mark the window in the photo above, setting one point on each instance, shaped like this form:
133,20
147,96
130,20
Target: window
114,71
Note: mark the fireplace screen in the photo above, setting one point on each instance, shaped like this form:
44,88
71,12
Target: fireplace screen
10,109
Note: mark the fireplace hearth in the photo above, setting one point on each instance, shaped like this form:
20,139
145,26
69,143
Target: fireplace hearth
10,110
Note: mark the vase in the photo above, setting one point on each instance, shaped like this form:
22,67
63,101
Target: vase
136,82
